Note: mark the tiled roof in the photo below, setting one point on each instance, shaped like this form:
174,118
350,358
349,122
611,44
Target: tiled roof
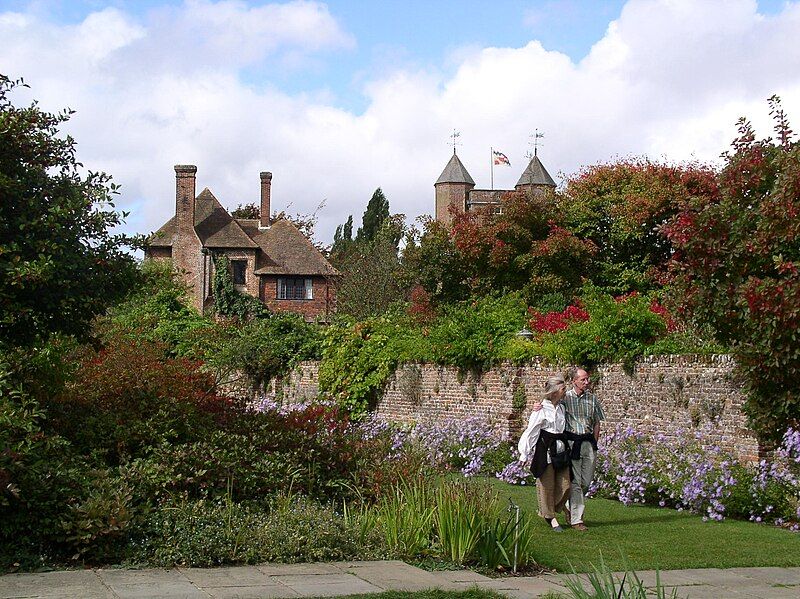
536,174
163,237
215,227
455,172
285,250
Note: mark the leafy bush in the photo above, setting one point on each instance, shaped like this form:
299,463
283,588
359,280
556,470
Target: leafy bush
736,266
617,329
358,359
470,334
205,533
262,349
157,311
97,525
128,397
39,473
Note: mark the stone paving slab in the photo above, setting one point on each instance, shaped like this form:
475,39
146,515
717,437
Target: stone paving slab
58,585
238,576
300,569
351,578
145,584
398,576
328,585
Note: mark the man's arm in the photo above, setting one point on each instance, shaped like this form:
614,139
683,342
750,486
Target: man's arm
596,431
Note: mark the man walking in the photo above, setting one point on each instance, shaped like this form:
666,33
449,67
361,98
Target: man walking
583,416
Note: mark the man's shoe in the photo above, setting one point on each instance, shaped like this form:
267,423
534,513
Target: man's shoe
580,526
557,529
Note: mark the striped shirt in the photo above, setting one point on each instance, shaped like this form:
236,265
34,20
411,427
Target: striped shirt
583,412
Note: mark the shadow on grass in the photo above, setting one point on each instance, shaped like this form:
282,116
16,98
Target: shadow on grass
649,519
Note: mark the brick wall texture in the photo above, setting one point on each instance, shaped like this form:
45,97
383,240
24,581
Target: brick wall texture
664,394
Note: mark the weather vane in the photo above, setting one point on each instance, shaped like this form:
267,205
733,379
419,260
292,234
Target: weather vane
536,137
454,137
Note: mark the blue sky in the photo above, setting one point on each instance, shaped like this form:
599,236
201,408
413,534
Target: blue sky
339,97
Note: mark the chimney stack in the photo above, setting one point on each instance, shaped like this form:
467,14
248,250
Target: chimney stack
266,188
185,192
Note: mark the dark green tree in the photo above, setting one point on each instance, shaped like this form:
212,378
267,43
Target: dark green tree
251,210
374,216
343,237
60,265
372,277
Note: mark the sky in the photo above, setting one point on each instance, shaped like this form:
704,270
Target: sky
338,98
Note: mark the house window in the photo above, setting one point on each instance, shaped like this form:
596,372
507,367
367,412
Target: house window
295,288
239,269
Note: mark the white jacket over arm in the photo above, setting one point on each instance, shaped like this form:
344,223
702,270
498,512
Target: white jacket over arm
549,418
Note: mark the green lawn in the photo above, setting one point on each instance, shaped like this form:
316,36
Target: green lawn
647,538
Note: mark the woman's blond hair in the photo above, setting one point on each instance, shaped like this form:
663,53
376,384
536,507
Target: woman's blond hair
553,385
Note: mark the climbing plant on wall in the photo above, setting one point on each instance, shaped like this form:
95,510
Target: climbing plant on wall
228,301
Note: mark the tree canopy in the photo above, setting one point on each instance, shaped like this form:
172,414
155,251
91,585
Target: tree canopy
374,216
60,263
737,268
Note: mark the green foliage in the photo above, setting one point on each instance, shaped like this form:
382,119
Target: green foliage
96,526
39,473
371,274
228,301
470,334
251,210
406,517
206,533
602,583
262,349
375,215
621,208
343,237
617,330
358,359
737,269
158,311
59,264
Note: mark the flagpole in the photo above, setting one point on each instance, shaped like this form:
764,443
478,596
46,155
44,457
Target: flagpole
491,164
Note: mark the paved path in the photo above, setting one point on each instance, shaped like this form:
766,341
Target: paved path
349,578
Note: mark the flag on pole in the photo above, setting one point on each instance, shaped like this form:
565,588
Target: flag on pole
500,158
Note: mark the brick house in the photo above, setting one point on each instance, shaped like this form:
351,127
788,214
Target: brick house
455,187
272,261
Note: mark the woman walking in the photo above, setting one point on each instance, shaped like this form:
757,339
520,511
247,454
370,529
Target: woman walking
544,445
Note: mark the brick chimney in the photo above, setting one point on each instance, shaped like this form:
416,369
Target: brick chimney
186,255
185,192
266,188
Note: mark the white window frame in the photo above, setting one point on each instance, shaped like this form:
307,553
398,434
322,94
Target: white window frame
308,288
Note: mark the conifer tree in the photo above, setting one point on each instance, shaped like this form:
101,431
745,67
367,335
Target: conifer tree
375,215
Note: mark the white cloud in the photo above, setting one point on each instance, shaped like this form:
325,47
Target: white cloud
668,79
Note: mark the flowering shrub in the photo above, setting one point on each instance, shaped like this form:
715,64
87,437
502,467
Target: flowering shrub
688,473
552,322
470,445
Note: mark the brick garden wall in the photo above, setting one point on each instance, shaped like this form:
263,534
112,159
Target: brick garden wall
664,394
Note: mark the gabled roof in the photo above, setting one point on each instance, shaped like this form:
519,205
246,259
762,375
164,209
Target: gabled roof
214,226
536,174
285,250
455,172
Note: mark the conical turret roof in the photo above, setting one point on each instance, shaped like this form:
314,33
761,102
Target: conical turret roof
536,174
455,172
